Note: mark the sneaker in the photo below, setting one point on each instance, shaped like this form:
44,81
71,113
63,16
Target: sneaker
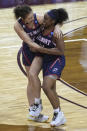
58,119
40,118
35,110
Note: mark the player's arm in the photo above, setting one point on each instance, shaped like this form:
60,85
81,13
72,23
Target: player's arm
57,31
60,46
59,50
23,35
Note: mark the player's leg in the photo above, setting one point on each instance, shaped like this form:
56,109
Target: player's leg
58,116
36,84
54,90
48,84
27,58
30,91
52,71
33,75
31,100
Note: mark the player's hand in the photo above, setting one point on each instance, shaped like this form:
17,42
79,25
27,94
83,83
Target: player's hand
35,48
57,32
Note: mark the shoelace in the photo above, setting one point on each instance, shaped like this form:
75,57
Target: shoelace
35,106
54,116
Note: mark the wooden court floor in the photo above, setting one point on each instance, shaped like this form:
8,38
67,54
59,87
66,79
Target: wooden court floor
13,100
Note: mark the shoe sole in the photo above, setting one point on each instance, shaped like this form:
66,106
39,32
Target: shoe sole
36,119
62,122
31,118
42,121
34,115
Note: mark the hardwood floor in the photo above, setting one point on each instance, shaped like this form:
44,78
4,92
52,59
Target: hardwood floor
13,99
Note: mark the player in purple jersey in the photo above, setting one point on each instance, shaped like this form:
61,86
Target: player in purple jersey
52,64
28,27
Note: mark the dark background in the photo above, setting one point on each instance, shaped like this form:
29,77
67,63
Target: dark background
11,3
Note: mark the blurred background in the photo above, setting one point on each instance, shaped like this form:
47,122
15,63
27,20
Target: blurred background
11,3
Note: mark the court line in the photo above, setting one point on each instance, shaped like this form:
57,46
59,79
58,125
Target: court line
72,87
6,47
74,30
76,40
75,19
72,102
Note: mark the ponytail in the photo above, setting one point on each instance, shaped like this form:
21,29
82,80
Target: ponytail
59,15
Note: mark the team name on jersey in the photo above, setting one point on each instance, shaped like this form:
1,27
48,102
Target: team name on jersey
44,40
35,32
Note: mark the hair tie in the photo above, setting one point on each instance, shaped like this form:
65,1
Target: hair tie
51,14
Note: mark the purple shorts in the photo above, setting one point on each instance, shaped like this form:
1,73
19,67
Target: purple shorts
53,65
27,55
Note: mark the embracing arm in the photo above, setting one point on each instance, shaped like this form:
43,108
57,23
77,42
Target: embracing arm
59,50
57,31
23,35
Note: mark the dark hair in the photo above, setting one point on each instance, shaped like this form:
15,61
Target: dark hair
22,11
59,15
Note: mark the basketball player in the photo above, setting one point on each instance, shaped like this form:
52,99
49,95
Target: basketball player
52,64
28,27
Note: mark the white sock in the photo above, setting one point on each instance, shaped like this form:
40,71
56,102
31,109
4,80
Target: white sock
30,108
37,100
57,110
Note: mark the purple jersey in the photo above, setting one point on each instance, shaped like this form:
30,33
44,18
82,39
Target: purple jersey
31,32
52,64
27,54
45,40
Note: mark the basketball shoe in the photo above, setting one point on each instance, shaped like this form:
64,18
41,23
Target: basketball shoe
40,118
36,109
58,119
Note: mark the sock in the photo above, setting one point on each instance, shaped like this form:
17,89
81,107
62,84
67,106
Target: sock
31,107
57,110
37,100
